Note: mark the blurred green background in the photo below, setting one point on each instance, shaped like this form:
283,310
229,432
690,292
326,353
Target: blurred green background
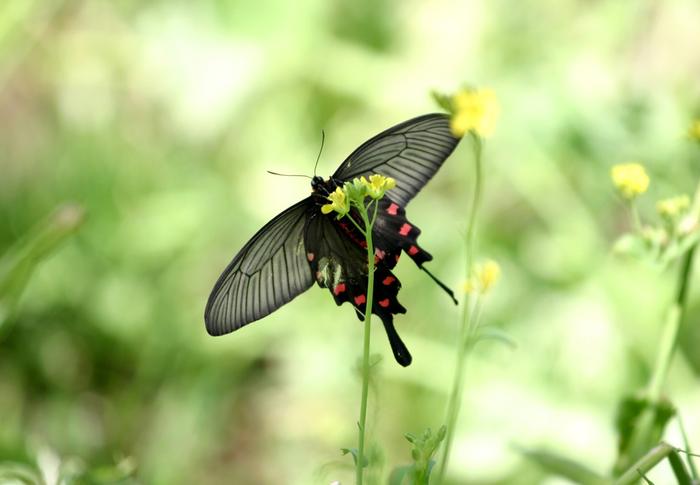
160,118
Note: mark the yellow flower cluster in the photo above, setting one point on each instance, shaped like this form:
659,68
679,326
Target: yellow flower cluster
484,278
673,206
356,191
378,185
475,110
339,203
630,179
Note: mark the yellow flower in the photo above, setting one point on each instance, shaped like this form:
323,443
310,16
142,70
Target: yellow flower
475,110
673,206
378,185
485,277
339,203
630,179
694,131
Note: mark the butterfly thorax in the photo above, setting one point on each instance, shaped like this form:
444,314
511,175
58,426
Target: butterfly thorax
323,188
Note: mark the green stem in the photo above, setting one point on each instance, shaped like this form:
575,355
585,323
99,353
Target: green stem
636,220
644,435
455,399
650,460
365,345
688,451
670,332
476,202
467,323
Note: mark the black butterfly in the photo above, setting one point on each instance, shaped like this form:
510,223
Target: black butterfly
301,245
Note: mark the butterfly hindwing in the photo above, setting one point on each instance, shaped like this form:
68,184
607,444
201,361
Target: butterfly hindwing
394,233
338,257
410,152
268,272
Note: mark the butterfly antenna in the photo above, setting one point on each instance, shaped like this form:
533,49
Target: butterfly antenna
287,174
323,140
441,284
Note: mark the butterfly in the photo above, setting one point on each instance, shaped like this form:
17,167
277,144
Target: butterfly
302,245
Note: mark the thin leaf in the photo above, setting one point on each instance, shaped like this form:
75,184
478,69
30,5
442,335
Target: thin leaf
564,467
679,469
495,333
688,451
400,473
443,100
354,452
11,472
19,262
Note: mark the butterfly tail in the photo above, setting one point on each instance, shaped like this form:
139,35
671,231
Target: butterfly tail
401,353
441,285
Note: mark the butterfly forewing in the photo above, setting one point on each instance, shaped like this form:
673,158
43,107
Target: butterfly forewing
268,272
410,152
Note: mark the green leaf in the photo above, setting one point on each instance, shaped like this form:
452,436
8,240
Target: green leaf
443,100
564,467
494,333
355,453
688,451
19,262
640,425
400,474
11,472
649,460
631,246
679,248
424,447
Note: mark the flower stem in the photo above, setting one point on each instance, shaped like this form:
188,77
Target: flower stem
670,332
636,219
366,344
468,323
644,435
476,201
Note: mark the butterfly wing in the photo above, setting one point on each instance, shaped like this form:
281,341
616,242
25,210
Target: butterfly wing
410,152
269,271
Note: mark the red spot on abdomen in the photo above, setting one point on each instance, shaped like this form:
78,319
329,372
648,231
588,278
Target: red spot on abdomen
392,209
384,303
388,280
359,300
339,288
405,229
310,256
413,250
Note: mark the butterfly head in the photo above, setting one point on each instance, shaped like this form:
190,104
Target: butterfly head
320,186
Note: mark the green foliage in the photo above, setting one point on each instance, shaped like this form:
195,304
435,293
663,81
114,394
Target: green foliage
423,449
19,262
632,414
68,472
443,100
559,465
355,454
